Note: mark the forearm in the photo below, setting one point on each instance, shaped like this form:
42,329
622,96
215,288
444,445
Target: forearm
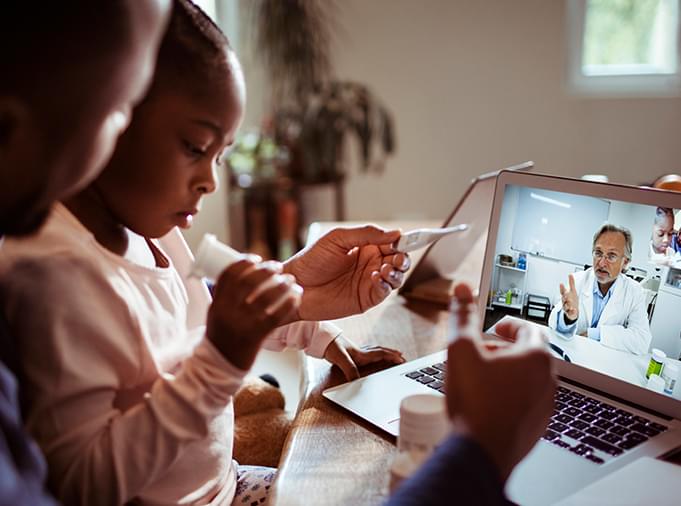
111,459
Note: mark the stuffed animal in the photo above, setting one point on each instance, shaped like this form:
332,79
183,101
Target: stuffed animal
260,423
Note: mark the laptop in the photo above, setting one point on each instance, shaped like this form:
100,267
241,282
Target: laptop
605,418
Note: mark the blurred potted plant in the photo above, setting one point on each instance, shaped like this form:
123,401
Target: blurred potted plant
315,114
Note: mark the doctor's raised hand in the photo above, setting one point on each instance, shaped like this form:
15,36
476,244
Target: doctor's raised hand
570,301
347,271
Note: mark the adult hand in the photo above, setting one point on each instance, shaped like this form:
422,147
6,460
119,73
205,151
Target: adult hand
570,300
501,398
347,271
250,299
348,357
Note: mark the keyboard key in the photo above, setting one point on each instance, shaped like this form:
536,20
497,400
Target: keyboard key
595,431
563,418
594,409
643,429
577,395
608,415
429,370
579,424
558,427
561,443
560,405
635,436
414,375
594,458
611,438
562,389
619,430
642,420
425,379
607,407
571,411
580,449
563,397
574,434
603,424
621,420
550,435
587,417
439,376
628,444
657,426
577,403
601,445
436,385
441,367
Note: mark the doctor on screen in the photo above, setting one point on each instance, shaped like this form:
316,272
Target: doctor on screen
603,304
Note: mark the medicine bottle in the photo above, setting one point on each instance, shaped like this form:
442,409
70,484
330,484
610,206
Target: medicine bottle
656,363
213,257
423,426
670,374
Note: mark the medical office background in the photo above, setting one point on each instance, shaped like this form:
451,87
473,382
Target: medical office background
473,85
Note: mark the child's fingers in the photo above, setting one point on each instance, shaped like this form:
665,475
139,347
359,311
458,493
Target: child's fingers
253,282
285,308
229,276
378,354
271,292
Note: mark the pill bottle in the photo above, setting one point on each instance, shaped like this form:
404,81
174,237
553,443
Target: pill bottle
670,373
423,425
656,363
655,383
213,257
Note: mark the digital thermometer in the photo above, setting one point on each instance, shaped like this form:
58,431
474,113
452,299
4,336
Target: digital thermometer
421,237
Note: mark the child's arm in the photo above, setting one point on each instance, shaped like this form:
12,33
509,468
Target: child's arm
83,355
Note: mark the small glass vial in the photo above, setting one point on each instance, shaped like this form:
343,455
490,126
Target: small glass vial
670,374
655,383
656,363
423,425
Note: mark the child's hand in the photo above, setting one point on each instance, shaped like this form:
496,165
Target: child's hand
249,301
349,358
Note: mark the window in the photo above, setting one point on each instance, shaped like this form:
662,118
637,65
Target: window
624,47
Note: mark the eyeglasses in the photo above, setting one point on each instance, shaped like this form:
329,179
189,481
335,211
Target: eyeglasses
611,258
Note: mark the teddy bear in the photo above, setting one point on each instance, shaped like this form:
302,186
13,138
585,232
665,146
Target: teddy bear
260,422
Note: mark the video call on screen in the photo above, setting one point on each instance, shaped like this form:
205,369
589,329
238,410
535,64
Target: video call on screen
627,294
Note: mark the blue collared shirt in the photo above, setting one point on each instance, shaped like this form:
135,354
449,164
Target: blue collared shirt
600,300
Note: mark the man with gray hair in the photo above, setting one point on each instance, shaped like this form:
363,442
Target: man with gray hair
601,303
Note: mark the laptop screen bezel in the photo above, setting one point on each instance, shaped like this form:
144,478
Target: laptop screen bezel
612,191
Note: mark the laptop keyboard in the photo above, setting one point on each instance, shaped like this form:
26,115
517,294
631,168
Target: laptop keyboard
596,430
432,376
592,429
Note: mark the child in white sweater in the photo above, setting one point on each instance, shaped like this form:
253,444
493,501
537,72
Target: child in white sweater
129,379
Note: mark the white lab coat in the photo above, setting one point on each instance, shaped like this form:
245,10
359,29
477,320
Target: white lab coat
624,321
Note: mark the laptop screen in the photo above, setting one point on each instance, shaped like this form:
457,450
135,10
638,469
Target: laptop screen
602,275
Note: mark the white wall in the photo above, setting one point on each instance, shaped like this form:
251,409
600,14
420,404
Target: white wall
476,85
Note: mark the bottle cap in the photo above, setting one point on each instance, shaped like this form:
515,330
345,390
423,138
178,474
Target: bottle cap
659,355
423,423
655,383
213,257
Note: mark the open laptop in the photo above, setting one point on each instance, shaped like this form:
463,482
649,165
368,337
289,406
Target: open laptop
452,259
605,418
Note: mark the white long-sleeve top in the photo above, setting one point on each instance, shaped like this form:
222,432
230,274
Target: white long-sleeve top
124,395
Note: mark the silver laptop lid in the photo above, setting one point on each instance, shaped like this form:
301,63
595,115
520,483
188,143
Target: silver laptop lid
541,231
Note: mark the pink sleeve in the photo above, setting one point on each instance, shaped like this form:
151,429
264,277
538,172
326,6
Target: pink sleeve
79,355
313,337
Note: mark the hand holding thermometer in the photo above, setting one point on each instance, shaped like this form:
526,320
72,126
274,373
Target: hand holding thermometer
424,236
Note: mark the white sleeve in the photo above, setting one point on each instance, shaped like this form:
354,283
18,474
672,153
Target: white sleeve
313,337
80,349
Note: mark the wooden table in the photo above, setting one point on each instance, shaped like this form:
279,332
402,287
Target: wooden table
332,456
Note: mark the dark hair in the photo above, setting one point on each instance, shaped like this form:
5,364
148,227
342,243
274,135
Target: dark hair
47,45
662,213
193,49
